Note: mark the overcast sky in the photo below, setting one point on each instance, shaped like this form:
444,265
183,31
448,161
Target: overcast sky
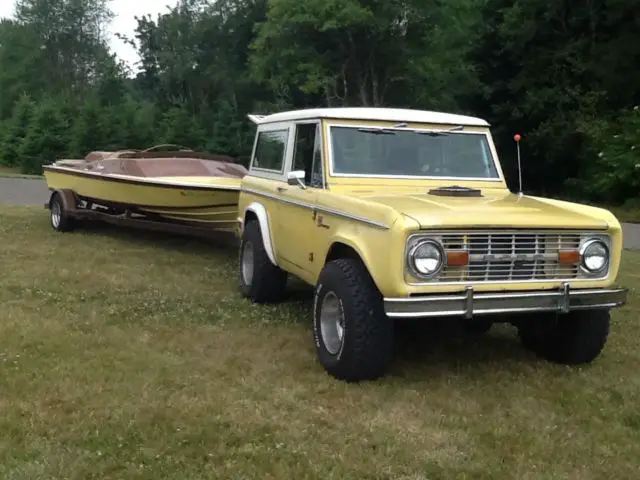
124,21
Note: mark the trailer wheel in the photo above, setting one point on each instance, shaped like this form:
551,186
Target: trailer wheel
60,219
260,280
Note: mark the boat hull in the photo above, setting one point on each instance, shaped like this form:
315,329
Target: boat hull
202,200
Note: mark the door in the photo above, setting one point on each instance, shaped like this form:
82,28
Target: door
267,173
297,223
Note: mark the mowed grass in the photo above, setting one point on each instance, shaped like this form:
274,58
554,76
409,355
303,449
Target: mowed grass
126,354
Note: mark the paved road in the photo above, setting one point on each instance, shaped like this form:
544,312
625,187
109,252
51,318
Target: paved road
34,192
631,236
15,191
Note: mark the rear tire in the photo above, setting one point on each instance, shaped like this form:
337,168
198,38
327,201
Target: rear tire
61,221
570,339
352,334
260,280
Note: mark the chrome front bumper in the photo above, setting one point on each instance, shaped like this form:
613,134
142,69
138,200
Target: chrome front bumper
469,303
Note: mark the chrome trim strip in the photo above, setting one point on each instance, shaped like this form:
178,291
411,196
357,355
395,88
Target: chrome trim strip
508,230
469,303
348,216
316,208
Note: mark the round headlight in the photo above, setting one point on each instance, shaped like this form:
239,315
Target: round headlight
427,258
595,256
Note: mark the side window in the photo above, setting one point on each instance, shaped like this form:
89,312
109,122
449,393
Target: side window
270,150
304,148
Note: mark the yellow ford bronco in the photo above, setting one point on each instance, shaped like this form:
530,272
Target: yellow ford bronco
393,213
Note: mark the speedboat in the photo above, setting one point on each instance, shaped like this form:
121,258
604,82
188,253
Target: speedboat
167,182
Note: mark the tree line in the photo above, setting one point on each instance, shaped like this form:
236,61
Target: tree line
566,75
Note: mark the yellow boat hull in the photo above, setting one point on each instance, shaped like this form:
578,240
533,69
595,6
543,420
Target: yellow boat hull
202,200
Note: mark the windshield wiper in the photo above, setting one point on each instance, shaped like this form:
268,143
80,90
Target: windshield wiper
439,133
377,130
402,127
432,134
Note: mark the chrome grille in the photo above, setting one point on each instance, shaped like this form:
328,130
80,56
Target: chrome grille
538,253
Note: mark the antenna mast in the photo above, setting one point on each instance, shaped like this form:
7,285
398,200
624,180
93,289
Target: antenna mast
517,138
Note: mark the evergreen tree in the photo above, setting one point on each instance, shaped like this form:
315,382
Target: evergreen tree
47,138
15,130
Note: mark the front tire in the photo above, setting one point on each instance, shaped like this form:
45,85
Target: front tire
570,339
260,280
352,334
477,326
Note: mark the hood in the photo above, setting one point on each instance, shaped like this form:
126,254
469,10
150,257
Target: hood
491,210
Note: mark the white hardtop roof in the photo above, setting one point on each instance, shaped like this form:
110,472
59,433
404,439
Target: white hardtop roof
364,113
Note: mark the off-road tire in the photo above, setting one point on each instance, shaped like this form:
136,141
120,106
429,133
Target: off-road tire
64,223
477,326
268,281
570,339
367,347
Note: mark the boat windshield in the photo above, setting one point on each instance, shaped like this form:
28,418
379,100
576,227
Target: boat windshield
386,152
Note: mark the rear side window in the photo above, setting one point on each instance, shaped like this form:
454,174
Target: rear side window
270,150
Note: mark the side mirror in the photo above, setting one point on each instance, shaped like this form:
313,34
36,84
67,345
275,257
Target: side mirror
296,177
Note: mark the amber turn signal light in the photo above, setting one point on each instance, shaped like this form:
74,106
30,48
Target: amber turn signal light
457,259
568,257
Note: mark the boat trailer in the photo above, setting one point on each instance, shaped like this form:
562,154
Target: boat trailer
66,209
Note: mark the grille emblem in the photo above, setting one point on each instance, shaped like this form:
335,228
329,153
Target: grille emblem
512,257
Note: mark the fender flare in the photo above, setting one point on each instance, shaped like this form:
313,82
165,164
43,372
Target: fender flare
263,220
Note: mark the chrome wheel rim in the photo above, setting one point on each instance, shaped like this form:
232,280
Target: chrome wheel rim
247,263
332,323
55,214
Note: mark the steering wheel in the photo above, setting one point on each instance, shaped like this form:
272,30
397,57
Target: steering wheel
440,171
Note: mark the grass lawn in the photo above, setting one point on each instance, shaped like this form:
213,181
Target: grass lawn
132,355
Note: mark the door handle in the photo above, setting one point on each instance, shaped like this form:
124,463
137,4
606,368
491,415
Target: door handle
281,189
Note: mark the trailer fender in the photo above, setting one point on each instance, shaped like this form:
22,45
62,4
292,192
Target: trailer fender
263,220
68,199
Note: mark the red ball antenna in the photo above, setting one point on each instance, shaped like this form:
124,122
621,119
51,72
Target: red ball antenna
517,137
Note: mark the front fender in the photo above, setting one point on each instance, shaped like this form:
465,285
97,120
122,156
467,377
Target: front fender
381,251
614,228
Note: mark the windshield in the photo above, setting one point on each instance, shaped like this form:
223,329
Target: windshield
391,152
